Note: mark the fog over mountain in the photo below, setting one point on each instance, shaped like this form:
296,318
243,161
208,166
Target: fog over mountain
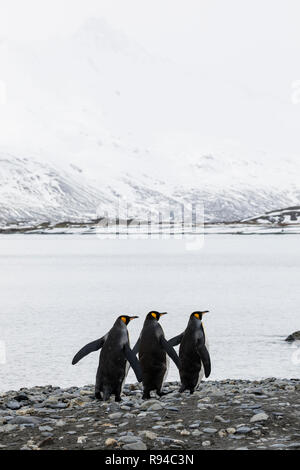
93,118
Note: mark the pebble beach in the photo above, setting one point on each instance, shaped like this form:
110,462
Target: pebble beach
227,414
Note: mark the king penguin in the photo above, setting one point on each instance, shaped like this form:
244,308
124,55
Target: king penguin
153,348
113,366
193,353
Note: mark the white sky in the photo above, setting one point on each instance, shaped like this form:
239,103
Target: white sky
184,29
252,43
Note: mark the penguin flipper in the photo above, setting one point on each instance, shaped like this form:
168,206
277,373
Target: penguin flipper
88,348
133,361
205,358
136,347
170,351
176,340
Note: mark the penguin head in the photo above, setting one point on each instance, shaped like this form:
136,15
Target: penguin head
198,315
155,315
126,319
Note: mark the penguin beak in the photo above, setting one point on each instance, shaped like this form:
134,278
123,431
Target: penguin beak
164,313
132,318
205,311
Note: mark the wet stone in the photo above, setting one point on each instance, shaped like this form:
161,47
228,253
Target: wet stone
243,430
135,446
115,416
13,405
25,420
210,430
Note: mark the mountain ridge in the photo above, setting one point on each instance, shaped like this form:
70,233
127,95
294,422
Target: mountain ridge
93,118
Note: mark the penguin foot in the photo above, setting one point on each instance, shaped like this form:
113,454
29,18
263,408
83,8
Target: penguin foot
182,389
98,396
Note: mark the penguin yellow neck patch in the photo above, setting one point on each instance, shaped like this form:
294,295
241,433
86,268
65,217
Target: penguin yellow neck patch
123,319
153,315
197,315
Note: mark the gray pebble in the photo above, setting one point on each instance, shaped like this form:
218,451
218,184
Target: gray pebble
129,439
135,446
243,430
45,428
210,430
13,405
115,416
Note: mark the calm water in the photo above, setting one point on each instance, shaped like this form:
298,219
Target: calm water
60,292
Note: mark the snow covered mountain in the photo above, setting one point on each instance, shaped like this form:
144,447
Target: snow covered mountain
93,118
33,192
287,216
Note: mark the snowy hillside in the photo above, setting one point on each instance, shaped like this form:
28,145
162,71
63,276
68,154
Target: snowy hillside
33,192
287,216
94,118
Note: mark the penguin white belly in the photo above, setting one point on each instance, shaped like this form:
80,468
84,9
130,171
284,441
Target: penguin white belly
200,376
167,369
126,373
127,367
201,373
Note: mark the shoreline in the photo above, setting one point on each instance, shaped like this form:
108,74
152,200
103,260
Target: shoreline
226,414
208,229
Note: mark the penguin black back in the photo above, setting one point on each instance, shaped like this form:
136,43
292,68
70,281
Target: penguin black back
193,352
153,349
112,363
113,359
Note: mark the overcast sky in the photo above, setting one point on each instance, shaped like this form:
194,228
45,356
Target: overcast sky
254,44
183,30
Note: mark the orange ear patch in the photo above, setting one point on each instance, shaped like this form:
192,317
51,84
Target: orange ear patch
153,315
123,319
197,315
